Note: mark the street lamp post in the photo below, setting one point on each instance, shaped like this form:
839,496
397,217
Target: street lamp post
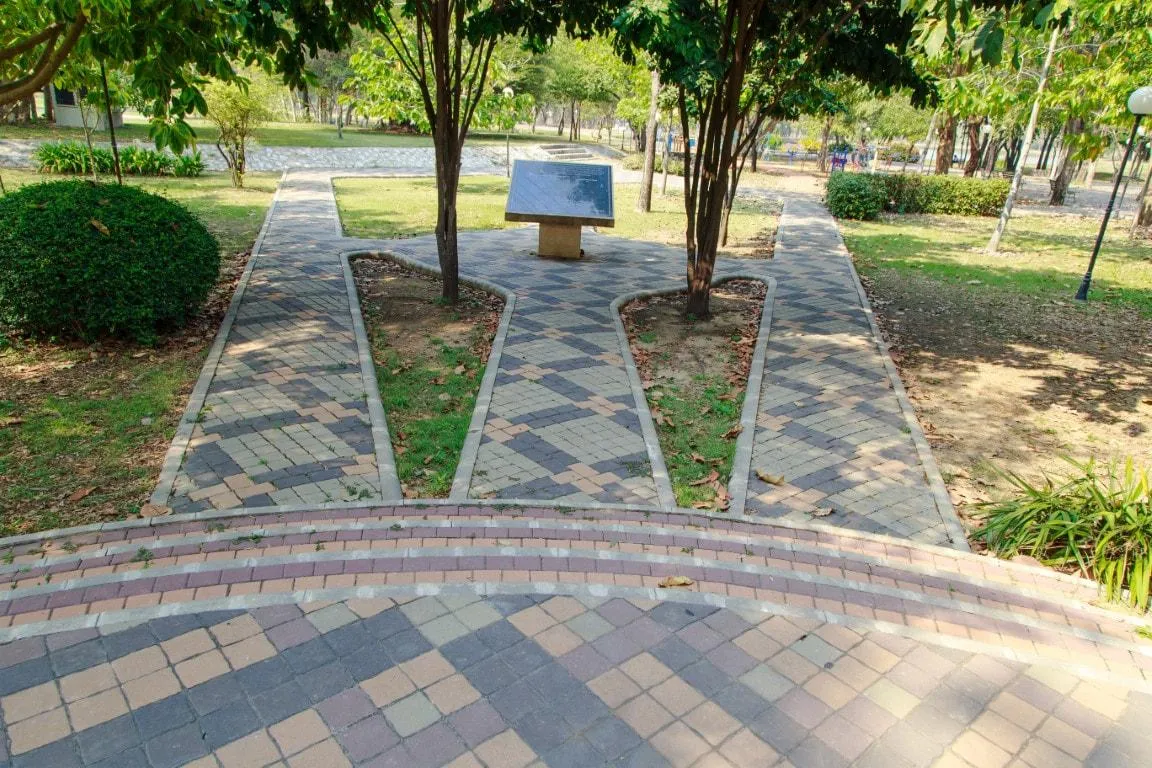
1139,104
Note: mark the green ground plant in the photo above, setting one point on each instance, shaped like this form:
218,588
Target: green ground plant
1096,520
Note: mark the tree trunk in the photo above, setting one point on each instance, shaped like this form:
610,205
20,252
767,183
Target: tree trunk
447,185
664,159
1065,166
644,204
1090,172
990,156
928,140
1018,173
572,121
822,156
49,107
946,145
973,160
111,128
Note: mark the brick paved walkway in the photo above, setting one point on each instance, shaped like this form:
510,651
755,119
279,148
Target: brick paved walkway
288,420
517,680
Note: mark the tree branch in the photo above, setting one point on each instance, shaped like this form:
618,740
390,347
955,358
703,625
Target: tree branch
47,35
45,67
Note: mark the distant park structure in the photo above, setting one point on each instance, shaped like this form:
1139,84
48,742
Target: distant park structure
561,197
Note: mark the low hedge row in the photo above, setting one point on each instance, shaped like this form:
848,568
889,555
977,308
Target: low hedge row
865,195
74,158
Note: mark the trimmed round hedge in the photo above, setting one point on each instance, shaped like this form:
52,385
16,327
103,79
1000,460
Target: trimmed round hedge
83,260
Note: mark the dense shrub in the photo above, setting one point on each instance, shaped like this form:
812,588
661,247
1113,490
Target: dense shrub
1097,520
73,157
190,165
635,162
854,196
913,193
84,260
137,161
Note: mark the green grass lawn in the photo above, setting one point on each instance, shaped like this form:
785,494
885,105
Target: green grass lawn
405,207
270,135
83,428
1041,256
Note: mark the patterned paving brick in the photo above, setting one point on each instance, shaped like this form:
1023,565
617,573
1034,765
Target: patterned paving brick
497,696
286,422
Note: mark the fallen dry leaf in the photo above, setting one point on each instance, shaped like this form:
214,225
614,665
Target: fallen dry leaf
80,494
459,369
711,477
736,430
13,422
821,512
99,226
769,478
676,581
154,510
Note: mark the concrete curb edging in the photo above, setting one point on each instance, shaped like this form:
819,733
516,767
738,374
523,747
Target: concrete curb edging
468,452
117,620
381,440
664,493
742,460
174,457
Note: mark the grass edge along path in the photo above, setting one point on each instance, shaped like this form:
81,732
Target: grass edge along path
430,360
692,369
84,427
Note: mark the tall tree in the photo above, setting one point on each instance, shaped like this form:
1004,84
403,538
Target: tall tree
644,203
445,47
707,48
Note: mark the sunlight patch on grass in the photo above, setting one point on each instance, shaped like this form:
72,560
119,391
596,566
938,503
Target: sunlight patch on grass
1042,256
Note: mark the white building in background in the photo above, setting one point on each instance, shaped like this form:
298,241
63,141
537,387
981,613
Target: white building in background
67,112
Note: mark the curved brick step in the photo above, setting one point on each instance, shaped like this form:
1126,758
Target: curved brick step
799,558
1052,630
871,548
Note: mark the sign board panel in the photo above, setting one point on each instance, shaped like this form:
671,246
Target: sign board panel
560,193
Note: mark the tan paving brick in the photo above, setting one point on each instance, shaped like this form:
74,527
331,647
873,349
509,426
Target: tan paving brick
29,702
452,693
299,732
87,682
252,751
677,696
645,715
746,750
151,688
38,730
249,651
326,754
139,664
507,750
201,668
187,645
387,687
427,668
680,745
712,722
646,670
614,687
234,630
97,709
